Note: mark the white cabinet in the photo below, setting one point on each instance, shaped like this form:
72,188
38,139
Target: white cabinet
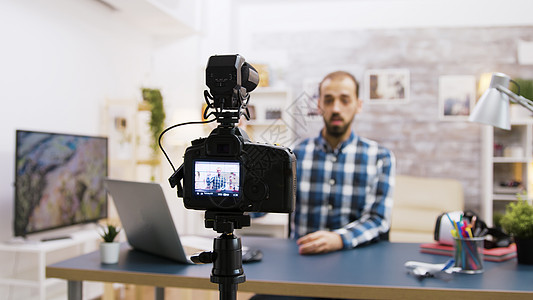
23,275
507,166
271,120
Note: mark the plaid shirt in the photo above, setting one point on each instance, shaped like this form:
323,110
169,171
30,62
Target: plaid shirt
347,190
218,182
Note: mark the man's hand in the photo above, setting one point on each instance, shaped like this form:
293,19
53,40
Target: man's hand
320,242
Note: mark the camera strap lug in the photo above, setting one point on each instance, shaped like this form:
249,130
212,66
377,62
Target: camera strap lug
175,180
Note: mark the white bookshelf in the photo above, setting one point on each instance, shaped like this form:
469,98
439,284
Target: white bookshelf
507,156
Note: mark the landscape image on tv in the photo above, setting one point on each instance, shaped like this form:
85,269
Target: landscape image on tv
59,180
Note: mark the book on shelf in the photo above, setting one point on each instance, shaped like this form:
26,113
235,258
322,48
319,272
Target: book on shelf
494,254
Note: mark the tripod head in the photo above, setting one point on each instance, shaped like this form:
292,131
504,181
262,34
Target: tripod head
226,222
227,251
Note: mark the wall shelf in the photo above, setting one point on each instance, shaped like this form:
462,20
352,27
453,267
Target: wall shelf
269,109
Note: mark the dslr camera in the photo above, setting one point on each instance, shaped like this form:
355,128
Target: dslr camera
226,172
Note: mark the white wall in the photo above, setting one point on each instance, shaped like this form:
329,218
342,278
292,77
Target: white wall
61,59
255,16
322,36
59,62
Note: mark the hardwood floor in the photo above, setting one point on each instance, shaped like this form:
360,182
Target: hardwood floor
132,292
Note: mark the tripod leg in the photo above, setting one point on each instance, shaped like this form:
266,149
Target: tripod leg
227,267
227,252
159,293
227,291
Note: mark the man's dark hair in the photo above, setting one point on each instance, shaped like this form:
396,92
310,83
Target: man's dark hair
337,75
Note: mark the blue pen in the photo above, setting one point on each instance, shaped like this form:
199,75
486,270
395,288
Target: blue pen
459,229
453,223
447,215
449,263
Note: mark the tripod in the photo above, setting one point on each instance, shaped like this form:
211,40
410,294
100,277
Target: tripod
227,252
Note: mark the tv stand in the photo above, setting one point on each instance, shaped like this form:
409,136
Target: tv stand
23,264
55,238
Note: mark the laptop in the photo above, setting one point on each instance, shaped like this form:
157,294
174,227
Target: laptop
148,223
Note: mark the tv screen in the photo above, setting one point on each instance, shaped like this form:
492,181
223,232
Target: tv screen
59,180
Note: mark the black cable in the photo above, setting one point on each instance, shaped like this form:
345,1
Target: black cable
217,112
172,127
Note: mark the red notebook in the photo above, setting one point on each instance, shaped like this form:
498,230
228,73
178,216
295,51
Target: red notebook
494,254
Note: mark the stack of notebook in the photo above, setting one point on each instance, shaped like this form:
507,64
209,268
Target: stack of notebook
494,254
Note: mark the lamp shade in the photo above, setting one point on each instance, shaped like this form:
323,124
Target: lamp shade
492,109
493,106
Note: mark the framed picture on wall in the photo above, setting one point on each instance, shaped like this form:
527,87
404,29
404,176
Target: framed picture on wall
387,85
304,108
456,96
120,128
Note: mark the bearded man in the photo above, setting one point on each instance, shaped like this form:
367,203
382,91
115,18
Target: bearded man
345,182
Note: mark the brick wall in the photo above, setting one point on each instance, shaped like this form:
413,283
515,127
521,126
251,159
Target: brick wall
423,144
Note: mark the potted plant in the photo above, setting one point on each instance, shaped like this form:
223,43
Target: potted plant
109,249
154,99
518,222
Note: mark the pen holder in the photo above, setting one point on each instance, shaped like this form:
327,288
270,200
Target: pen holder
469,254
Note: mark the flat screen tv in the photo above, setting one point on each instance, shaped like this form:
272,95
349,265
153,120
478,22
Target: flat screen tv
59,180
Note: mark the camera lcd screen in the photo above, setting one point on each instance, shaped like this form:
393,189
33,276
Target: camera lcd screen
217,178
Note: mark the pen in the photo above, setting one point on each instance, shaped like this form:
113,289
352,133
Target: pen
453,223
454,233
477,231
449,263
460,230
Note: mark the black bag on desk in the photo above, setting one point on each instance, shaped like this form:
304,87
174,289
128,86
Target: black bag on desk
495,237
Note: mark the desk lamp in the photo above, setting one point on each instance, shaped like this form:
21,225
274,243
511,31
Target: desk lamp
493,106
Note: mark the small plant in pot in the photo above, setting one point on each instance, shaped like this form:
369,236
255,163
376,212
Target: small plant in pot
109,249
518,222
